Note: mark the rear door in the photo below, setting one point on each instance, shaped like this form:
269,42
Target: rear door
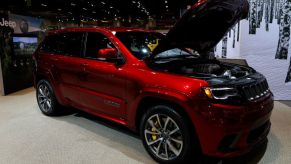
104,82
66,65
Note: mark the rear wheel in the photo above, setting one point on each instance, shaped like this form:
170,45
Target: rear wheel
46,99
166,135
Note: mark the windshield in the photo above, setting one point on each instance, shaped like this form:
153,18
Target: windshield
141,44
177,53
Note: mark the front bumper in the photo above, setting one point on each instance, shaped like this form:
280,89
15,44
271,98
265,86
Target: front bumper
229,131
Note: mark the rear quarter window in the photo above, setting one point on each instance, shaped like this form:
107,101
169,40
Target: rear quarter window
69,44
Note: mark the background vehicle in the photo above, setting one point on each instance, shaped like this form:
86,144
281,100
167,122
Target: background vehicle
180,101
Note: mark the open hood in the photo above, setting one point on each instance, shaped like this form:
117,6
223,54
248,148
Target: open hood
204,25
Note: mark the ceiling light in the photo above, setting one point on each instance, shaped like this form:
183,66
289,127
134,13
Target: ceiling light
44,5
144,50
73,4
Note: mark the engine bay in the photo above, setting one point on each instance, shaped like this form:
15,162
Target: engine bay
213,70
203,68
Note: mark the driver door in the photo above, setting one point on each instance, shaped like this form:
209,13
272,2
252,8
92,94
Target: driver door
103,83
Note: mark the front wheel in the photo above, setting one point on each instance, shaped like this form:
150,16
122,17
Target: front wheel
165,134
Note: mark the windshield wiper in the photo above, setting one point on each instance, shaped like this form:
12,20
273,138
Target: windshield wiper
177,57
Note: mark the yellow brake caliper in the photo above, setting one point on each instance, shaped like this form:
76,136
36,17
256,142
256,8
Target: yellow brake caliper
154,137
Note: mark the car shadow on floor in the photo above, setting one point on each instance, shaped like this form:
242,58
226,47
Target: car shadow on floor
252,157
135,145
107,133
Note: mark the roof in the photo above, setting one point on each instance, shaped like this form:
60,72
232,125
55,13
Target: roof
100,29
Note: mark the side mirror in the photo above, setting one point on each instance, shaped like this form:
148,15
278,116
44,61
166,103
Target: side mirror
107,53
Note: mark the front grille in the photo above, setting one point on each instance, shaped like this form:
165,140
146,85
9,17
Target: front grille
255,91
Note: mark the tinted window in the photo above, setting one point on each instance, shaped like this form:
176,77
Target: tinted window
95,42
49,45
141,44
65,43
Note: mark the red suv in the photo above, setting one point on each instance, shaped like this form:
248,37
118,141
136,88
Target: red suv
167,87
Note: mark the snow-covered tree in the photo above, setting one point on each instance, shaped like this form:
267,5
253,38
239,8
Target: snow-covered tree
284,33
224,47
288,78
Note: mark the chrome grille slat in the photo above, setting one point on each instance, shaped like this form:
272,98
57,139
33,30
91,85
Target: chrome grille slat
255,91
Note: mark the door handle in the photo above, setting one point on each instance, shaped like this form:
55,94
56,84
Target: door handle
84,64
111,75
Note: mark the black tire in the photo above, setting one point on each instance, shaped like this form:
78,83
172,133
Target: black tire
46,99
162,137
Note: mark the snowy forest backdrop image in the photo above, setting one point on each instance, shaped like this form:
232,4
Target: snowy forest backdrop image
263,39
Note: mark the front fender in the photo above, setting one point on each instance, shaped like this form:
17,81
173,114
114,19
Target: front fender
164,93
158,93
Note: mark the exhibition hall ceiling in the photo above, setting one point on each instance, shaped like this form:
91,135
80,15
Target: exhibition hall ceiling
100,9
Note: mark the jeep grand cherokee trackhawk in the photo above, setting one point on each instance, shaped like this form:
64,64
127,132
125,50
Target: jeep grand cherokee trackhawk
164,86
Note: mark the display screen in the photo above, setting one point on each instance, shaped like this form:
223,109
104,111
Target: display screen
24,46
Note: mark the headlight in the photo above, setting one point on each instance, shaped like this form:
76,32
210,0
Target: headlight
220,93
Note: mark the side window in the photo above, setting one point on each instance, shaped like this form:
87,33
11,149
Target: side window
70,44
49,45
65,43
95,42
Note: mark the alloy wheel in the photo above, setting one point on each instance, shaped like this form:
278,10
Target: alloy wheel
44,98
163,136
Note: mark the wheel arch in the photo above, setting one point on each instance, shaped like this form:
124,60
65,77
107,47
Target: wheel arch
149,101
39,77
57,92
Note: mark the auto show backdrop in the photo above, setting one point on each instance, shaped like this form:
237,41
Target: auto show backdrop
263,40
265,43
18,41
4,46
229,47
26,24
